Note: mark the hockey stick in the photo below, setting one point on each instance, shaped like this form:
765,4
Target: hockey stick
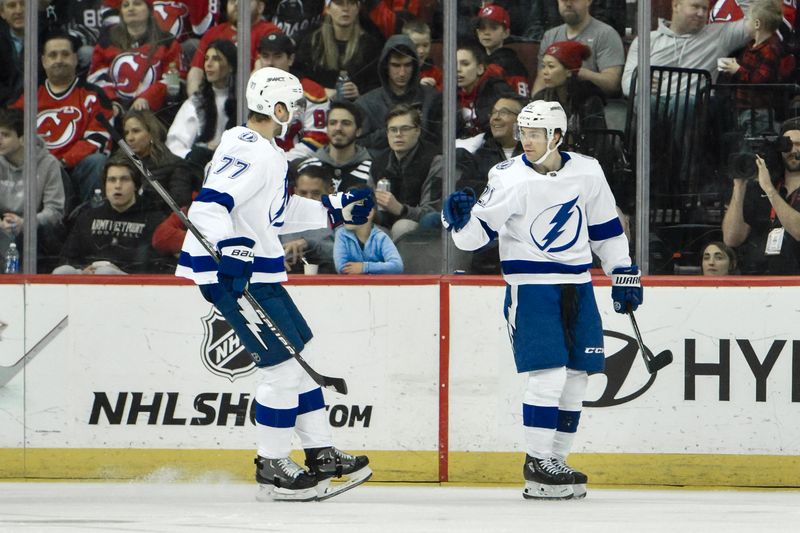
259,314
7,373
654,363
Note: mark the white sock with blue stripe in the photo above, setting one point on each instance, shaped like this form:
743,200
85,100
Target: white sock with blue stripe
312,426
277,407
540,410
569,411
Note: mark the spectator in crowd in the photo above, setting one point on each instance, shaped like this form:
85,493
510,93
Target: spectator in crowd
303,136
145,135
467,11
113,238
762,220
169,235
312,246
476,156
197,128
185,20
389,17
49,186
348,162
341,49
68,111
420,35
493,27
760,63
718,259
83,21
479,86
296,18
582,100
686,41
129,63
398,71
413,168
12,34
544,15
365,249
259,28
604,67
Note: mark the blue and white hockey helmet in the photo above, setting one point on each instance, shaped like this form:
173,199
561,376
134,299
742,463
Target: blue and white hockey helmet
269,86
542,114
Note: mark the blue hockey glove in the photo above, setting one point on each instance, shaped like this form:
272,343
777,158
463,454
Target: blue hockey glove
351,207
456,209
236,264
626,288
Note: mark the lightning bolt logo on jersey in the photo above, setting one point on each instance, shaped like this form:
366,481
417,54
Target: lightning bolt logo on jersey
546,231
557,228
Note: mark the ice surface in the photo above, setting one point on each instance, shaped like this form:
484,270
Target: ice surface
226,507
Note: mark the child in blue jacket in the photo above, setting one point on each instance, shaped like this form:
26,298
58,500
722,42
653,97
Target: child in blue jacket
365,249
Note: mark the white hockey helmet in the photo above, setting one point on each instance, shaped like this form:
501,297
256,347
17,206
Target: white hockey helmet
547,115
269,86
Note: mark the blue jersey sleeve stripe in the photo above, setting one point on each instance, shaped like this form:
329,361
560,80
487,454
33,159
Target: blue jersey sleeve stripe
520,266
215,197
489,231
606,230
276,418
206,263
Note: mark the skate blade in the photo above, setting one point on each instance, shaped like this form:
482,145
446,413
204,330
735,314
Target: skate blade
540,491
327,490
271,493
579,491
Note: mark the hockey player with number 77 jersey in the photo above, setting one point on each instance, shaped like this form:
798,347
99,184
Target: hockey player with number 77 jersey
241,209
549,210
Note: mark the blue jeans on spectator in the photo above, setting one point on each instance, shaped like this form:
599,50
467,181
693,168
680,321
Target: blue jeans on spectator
86,175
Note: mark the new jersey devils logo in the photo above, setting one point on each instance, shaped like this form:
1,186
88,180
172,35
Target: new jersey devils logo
131,74
58,127
170,16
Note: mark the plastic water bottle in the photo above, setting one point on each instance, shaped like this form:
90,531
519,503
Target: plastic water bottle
12,259
343,78
97,198
172,80
383,185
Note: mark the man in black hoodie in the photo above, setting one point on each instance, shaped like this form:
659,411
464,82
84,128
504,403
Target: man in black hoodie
398,70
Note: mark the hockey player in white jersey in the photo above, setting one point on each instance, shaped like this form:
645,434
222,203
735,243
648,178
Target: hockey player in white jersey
550,210
241,209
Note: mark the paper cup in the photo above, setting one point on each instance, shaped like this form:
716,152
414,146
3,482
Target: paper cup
310,270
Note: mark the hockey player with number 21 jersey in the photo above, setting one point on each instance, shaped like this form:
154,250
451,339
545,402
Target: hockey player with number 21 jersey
241,209
549,210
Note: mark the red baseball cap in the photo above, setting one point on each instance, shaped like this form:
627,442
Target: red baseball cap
495,13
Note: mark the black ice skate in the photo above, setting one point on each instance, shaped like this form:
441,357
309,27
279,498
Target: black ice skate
581,479
544,480
329,463
284,480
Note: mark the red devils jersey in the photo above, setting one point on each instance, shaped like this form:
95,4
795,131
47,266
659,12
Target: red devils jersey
312,131
226,31
67,122
125,75
730,10
180,17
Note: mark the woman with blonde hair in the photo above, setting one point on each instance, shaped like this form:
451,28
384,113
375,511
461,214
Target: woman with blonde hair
340,48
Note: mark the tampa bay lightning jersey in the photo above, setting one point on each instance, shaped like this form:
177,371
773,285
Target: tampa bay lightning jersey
549,224
245,194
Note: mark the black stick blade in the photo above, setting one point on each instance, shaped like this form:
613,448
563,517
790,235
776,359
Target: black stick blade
656,363
335,384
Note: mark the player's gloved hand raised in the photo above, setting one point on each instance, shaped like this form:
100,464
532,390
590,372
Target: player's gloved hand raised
626,288
236,264
456,209
351,207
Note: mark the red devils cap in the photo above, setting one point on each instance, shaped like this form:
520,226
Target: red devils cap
496,13
571,54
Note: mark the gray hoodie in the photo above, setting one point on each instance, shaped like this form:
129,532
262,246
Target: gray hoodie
691,50
50,189
376,103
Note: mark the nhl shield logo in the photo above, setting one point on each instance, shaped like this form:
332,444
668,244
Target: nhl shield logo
223,353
